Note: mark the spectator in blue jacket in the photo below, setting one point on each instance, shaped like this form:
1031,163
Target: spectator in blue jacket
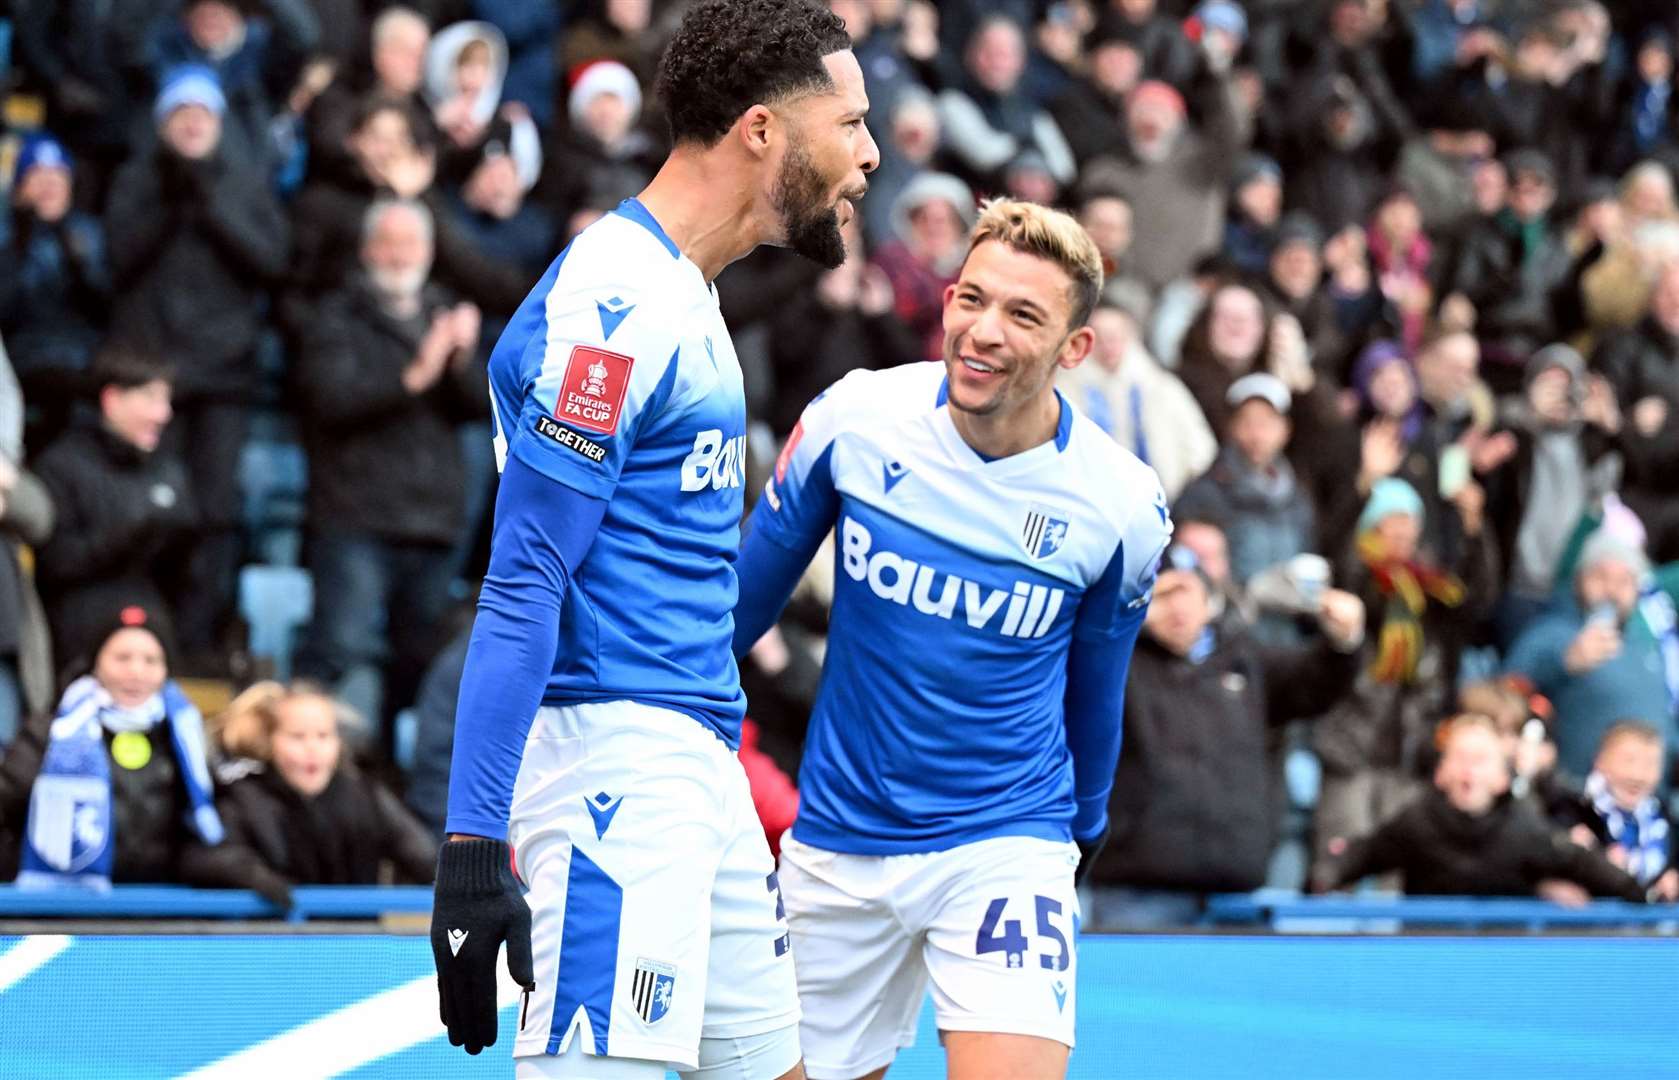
1599,654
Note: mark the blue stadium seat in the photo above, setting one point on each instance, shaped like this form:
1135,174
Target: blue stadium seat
274,475
275,602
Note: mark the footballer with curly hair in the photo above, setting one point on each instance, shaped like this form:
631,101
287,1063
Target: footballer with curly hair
600,708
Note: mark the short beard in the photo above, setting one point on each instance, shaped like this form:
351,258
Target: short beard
813,229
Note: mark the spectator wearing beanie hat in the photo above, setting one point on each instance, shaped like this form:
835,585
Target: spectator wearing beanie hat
1256,199
117,784
55,281
197,242
930,222
1600,653
1091,112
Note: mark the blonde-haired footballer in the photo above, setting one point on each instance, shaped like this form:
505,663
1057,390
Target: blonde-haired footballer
994,555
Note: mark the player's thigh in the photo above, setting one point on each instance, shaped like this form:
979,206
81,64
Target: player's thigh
1001,947
860,969
986,1055
615,828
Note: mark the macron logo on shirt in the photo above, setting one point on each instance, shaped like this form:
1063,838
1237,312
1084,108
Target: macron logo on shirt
1031,609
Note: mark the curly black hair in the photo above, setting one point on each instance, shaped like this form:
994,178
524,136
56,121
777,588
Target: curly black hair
729,55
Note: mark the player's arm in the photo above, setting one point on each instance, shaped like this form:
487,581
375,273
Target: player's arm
797,509
1105,631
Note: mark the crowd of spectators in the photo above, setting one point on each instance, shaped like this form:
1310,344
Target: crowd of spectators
1392,306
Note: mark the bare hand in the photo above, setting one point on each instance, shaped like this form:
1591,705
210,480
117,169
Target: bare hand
840,287
877,296
1471,503
1566,893
1616,854
921,30
1488,452
1666,888
1592,647
467,323
1600,409
1289,359
432,357
1341,618
1583,836
1649,416
1382,452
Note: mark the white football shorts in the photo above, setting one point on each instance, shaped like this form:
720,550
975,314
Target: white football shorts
656,915
991,923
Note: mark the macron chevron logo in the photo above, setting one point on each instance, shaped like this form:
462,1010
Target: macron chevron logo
612,313
602,807
895,471
1060,989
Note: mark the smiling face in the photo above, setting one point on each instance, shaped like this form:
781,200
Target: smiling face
1006,329
823,168
1631,764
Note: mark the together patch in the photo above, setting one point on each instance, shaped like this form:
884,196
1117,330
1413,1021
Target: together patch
577,444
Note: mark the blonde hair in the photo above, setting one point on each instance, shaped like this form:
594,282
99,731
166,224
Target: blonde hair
1049,234
246,727
1461,723
1636,730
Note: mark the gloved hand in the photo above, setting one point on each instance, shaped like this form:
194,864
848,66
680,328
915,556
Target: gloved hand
1088,850
477,905
273,888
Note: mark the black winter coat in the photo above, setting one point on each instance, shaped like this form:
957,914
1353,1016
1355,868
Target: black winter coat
1507,851
339,837
1192,804
383,461
1640,363
195,247
122,515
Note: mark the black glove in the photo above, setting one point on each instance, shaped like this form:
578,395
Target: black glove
476,906
273,888
1088,850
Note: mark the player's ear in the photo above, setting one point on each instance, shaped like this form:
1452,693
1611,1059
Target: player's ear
757,127
1076,348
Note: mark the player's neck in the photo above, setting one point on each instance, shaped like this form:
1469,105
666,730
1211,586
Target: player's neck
1003,434
708,213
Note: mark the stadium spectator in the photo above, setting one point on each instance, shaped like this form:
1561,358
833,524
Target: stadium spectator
1142,405
1192,809
529,31
851,319
26,518
196,240
255,51
466,68
296,811
1106,215
1376,745
1091,112
397,40
929,240
1564,430
388,370
1437,165
117,787
1332,310
603,153
124,511
1509,266
93,71
1167,54
1647,114
427,791
55,287
1177,175
1256,200
988,120
1619,813
1402,260
1251,488
908,150
394,157
1523,722
1598,653
1643,367
1468,837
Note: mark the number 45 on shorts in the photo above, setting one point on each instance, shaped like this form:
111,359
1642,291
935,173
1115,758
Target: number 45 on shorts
1013,942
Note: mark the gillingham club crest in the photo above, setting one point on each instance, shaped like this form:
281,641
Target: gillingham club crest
651,989
1044,532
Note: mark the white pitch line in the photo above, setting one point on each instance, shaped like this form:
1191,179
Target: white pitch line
386,1023
28,955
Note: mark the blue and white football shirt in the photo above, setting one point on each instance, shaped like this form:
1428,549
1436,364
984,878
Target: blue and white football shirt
617,378
961,587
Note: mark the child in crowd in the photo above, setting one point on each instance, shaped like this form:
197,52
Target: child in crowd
118,788
1523,719
1469,837
1619,812
294,807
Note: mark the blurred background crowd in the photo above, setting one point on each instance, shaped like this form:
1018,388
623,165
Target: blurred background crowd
1392,307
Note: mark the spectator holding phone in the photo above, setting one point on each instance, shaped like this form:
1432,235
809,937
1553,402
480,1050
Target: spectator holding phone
1599,654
